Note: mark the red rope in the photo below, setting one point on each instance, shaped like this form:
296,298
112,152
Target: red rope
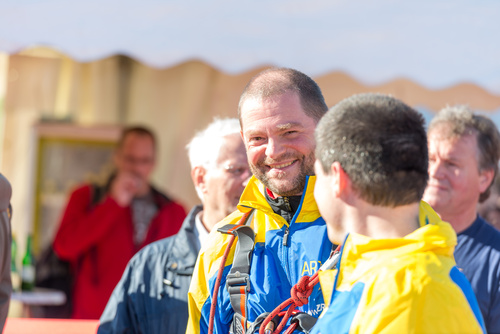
290,329
300,296
219,275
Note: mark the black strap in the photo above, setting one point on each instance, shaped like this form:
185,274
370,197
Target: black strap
238,279
305,322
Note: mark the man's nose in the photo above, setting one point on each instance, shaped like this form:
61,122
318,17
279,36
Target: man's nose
435,169
274,148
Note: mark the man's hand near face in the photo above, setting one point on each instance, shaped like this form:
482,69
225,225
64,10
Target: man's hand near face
124,187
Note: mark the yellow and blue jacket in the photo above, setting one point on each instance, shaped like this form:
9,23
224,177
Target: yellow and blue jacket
275,267
405,285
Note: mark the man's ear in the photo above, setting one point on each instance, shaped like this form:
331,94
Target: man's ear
341,181
243,139
485,179
198,176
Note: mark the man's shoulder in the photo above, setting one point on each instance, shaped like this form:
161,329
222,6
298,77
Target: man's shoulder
166,203
216,242
478,253
84,187
160,197
152,253
488,229
486,235
81,192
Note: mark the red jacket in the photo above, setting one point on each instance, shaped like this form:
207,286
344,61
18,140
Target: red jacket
99,243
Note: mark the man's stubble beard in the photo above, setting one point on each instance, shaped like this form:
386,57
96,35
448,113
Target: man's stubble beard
296,186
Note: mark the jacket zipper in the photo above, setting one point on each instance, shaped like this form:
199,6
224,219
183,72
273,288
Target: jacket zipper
285,236
287,231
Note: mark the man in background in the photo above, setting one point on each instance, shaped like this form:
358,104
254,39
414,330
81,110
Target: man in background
5,244
464,149
104,226
151,297
396,273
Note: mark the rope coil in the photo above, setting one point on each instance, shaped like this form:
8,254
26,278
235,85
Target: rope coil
300,293
300,296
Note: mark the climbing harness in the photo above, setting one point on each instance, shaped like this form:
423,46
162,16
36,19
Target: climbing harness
238,286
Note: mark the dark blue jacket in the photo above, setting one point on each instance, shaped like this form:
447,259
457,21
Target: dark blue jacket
478,257
151,296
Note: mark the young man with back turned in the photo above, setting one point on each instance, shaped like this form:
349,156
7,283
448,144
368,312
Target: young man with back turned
396,273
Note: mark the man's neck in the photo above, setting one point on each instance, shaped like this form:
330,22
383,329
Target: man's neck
199,216
274,195
210,218
285,206
144,191
460,220
382,222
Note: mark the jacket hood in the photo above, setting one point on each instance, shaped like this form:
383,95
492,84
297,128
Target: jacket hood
433,235
360,253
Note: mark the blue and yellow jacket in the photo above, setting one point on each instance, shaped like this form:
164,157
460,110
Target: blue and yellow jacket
275,267
406,285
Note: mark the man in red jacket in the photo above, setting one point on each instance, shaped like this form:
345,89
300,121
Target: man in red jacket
103,227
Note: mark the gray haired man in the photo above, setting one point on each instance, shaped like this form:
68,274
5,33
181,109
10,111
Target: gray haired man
464,149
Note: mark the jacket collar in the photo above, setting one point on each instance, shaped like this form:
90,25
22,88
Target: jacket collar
285,206
254,197
184,251
433,235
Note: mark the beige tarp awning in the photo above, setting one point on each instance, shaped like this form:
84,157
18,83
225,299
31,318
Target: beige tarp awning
436,43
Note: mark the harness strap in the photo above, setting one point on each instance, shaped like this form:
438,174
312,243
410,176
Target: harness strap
213,305
238,279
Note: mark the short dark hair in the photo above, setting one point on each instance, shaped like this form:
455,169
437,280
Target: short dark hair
460,121
381,143
278,81
138,130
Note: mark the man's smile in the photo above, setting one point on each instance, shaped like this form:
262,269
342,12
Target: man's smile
281,165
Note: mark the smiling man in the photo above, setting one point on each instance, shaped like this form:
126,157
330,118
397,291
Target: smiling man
464,149
278,111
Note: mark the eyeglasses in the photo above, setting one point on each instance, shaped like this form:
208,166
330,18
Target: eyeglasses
236,170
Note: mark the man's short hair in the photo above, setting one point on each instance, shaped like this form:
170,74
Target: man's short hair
278,81
459,121
381,143
203,149
138,130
